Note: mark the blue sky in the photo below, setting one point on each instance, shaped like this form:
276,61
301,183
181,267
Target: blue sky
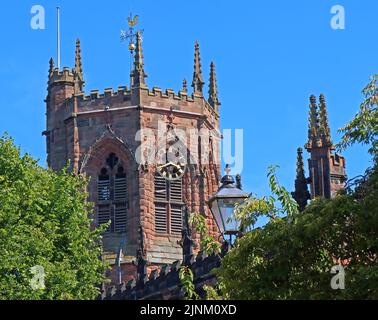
270,56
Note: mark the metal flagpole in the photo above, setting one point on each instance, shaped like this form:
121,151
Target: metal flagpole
58,35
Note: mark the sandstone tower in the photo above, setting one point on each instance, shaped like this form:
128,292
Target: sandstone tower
100,135
327,169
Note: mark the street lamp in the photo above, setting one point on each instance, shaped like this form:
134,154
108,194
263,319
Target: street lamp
222,205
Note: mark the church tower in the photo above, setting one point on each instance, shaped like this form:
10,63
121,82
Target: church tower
151,157
326,168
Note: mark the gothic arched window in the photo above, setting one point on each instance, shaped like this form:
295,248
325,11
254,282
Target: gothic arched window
112,196
168,205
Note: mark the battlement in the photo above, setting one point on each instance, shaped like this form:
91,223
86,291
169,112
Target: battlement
164,282
170,94
337,169
338,160
108,93
169,97
155,98
65,75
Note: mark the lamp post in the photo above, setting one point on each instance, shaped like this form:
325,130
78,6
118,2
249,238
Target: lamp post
222,205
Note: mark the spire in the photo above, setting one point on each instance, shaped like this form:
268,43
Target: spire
197,76
313,123
213,89
78,71
138,74
301,194
325,132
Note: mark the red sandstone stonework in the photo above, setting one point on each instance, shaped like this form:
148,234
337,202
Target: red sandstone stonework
84,130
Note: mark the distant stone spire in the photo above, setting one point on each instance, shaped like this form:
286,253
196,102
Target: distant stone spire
78,66
138,74
301,194
313,130
324,129
198,82
213,89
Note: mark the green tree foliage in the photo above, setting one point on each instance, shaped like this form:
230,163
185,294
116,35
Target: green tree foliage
187,281
364,127
292,256
292,259
44,223
208,245
277,204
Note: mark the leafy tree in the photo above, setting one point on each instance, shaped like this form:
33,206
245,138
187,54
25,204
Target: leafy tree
207,244
44,226
187,281
364,127
292,259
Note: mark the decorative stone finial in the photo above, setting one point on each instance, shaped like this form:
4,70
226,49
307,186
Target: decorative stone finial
51,68
313,128
78,64
78,70
198,82
138,74
213,89
324,129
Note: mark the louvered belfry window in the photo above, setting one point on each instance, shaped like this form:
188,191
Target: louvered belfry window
112,196
168,206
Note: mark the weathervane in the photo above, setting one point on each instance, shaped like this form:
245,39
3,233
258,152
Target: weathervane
130,35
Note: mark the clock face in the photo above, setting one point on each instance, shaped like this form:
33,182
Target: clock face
171,171
174,167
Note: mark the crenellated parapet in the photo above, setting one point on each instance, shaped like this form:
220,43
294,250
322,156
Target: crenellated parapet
166,99
107,93
65,76
164,283
123,94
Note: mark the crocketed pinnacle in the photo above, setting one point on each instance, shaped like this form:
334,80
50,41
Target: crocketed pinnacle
78,70
78,64
313,122
51,67
138,74
319,134
213,89
324,130
198,82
